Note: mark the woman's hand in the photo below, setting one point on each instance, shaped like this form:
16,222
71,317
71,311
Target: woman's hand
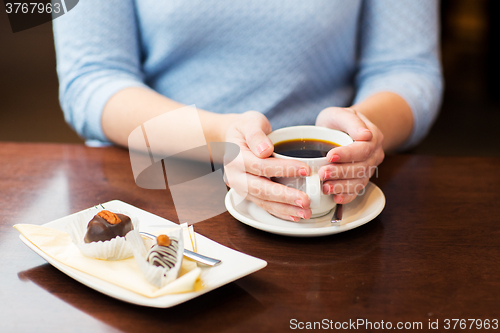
354,164
251,180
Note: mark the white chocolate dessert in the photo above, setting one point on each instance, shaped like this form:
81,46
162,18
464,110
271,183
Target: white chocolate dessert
164,253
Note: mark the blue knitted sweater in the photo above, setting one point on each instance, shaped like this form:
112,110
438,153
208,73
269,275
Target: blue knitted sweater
288,59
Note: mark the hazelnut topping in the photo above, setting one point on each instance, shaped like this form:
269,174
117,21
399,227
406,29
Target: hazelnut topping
110,217
163,240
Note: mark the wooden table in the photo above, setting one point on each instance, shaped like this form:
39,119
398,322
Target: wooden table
433,253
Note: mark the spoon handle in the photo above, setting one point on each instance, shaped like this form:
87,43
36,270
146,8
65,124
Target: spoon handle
201,258
337,215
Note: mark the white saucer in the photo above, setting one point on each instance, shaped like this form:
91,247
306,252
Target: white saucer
363,209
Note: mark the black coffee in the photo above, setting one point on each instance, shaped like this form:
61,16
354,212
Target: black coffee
304,148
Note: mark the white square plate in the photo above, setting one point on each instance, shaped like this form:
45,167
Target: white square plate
234,264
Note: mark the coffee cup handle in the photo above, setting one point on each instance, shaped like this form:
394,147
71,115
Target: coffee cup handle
313,190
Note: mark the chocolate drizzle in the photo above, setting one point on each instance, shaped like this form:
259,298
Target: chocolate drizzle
99,229
164,256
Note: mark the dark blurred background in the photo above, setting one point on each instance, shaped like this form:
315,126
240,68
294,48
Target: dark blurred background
30,111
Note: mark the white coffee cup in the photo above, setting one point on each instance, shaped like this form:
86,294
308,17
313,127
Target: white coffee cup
321,204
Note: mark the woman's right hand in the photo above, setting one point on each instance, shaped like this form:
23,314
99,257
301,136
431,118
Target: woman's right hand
250,179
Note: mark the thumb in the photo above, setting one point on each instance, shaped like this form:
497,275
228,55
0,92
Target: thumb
255,131
347,120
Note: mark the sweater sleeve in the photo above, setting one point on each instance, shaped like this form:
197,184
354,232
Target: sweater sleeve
98,54
398,52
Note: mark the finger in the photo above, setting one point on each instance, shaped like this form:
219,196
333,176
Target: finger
281,210
346,186
244,182
274,167
267,190
255,133
269,167
344,198
347,120
347,170
354,152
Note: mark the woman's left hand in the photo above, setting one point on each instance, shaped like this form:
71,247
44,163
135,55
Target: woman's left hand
354,164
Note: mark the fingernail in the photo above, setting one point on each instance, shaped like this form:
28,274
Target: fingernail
339,199
334,158
263,146
326,188
303,172
294,218
301,214
299,203
326,175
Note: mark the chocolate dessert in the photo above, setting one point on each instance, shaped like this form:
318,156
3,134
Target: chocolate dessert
106,226
164,253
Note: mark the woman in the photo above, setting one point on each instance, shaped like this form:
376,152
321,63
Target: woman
370,68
